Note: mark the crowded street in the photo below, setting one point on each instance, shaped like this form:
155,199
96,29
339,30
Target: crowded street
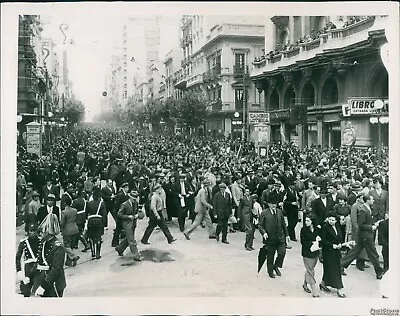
202,156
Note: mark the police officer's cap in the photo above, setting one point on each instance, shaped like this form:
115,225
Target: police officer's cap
124,185
33,227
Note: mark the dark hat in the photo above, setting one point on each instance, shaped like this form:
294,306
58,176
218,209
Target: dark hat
271,181
223,185
125,184
33,226
323,191
35,194
341,196
133,194
51,196
272,198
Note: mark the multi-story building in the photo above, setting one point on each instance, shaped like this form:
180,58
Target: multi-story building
217,53
172,63
34,81
156,80
313,69
113,82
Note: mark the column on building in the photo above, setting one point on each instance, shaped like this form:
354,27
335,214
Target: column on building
270,35
305,25
291,29
319,132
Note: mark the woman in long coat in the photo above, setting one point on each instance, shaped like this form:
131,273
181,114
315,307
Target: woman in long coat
96,221
331,240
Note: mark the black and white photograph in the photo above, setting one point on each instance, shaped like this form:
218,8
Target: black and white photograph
192,157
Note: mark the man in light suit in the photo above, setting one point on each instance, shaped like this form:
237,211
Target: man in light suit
366,239
237,194
128,213
222,207
273,229
202,207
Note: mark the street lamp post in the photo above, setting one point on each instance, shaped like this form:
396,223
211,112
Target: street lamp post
379,118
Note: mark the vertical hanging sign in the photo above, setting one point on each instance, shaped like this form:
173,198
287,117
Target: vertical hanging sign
34,138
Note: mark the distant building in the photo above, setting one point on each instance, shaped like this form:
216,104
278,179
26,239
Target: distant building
312,67
217,52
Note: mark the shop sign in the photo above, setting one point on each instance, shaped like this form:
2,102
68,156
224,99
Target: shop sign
279,115
358,106
262,135
258,118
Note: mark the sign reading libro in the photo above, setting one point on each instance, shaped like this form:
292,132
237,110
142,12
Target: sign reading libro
34,138
258,118
361,106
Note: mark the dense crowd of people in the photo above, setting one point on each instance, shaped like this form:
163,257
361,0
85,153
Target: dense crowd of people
313,36
340,198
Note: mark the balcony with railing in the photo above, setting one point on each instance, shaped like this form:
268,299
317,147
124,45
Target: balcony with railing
197,79
240,70
331,39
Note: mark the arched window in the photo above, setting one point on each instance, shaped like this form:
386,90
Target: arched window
308,95
289,99
274,101
329,93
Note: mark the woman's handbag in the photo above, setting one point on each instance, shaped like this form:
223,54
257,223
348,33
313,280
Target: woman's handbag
95,220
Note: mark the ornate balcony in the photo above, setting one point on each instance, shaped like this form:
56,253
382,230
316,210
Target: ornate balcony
333,39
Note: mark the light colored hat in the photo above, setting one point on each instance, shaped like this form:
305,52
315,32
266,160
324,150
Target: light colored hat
50,225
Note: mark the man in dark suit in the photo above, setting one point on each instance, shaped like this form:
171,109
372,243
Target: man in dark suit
291,208
181,192
49,188
108,195
353,192
130,176
128,213
50,207
250,181
366,240
383,240
122,196
321,207
381,198
67,195
246,218
273,229
222,207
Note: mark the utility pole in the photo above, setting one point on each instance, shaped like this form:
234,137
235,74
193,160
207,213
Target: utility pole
245,86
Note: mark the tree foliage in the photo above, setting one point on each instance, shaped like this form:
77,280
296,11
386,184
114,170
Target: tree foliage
190,111
74,110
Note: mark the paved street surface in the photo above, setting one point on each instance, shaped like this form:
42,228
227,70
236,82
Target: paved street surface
198,267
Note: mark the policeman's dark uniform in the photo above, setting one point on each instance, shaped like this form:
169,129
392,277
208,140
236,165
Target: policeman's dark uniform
28,247
80,205
51,277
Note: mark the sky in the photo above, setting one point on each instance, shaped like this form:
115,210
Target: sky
95,39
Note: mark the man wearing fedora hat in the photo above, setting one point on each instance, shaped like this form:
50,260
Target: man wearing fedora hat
355,188
128,213
222,207
201,209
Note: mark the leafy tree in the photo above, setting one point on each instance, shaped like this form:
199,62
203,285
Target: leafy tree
74,110
192,109
170,112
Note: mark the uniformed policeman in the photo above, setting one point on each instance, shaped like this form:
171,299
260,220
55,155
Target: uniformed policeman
51,255
27,249
80,205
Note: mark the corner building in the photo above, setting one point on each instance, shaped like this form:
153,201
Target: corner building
314,70
217,54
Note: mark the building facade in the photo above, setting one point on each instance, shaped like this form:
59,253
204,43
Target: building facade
172,63
217,52
315,67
